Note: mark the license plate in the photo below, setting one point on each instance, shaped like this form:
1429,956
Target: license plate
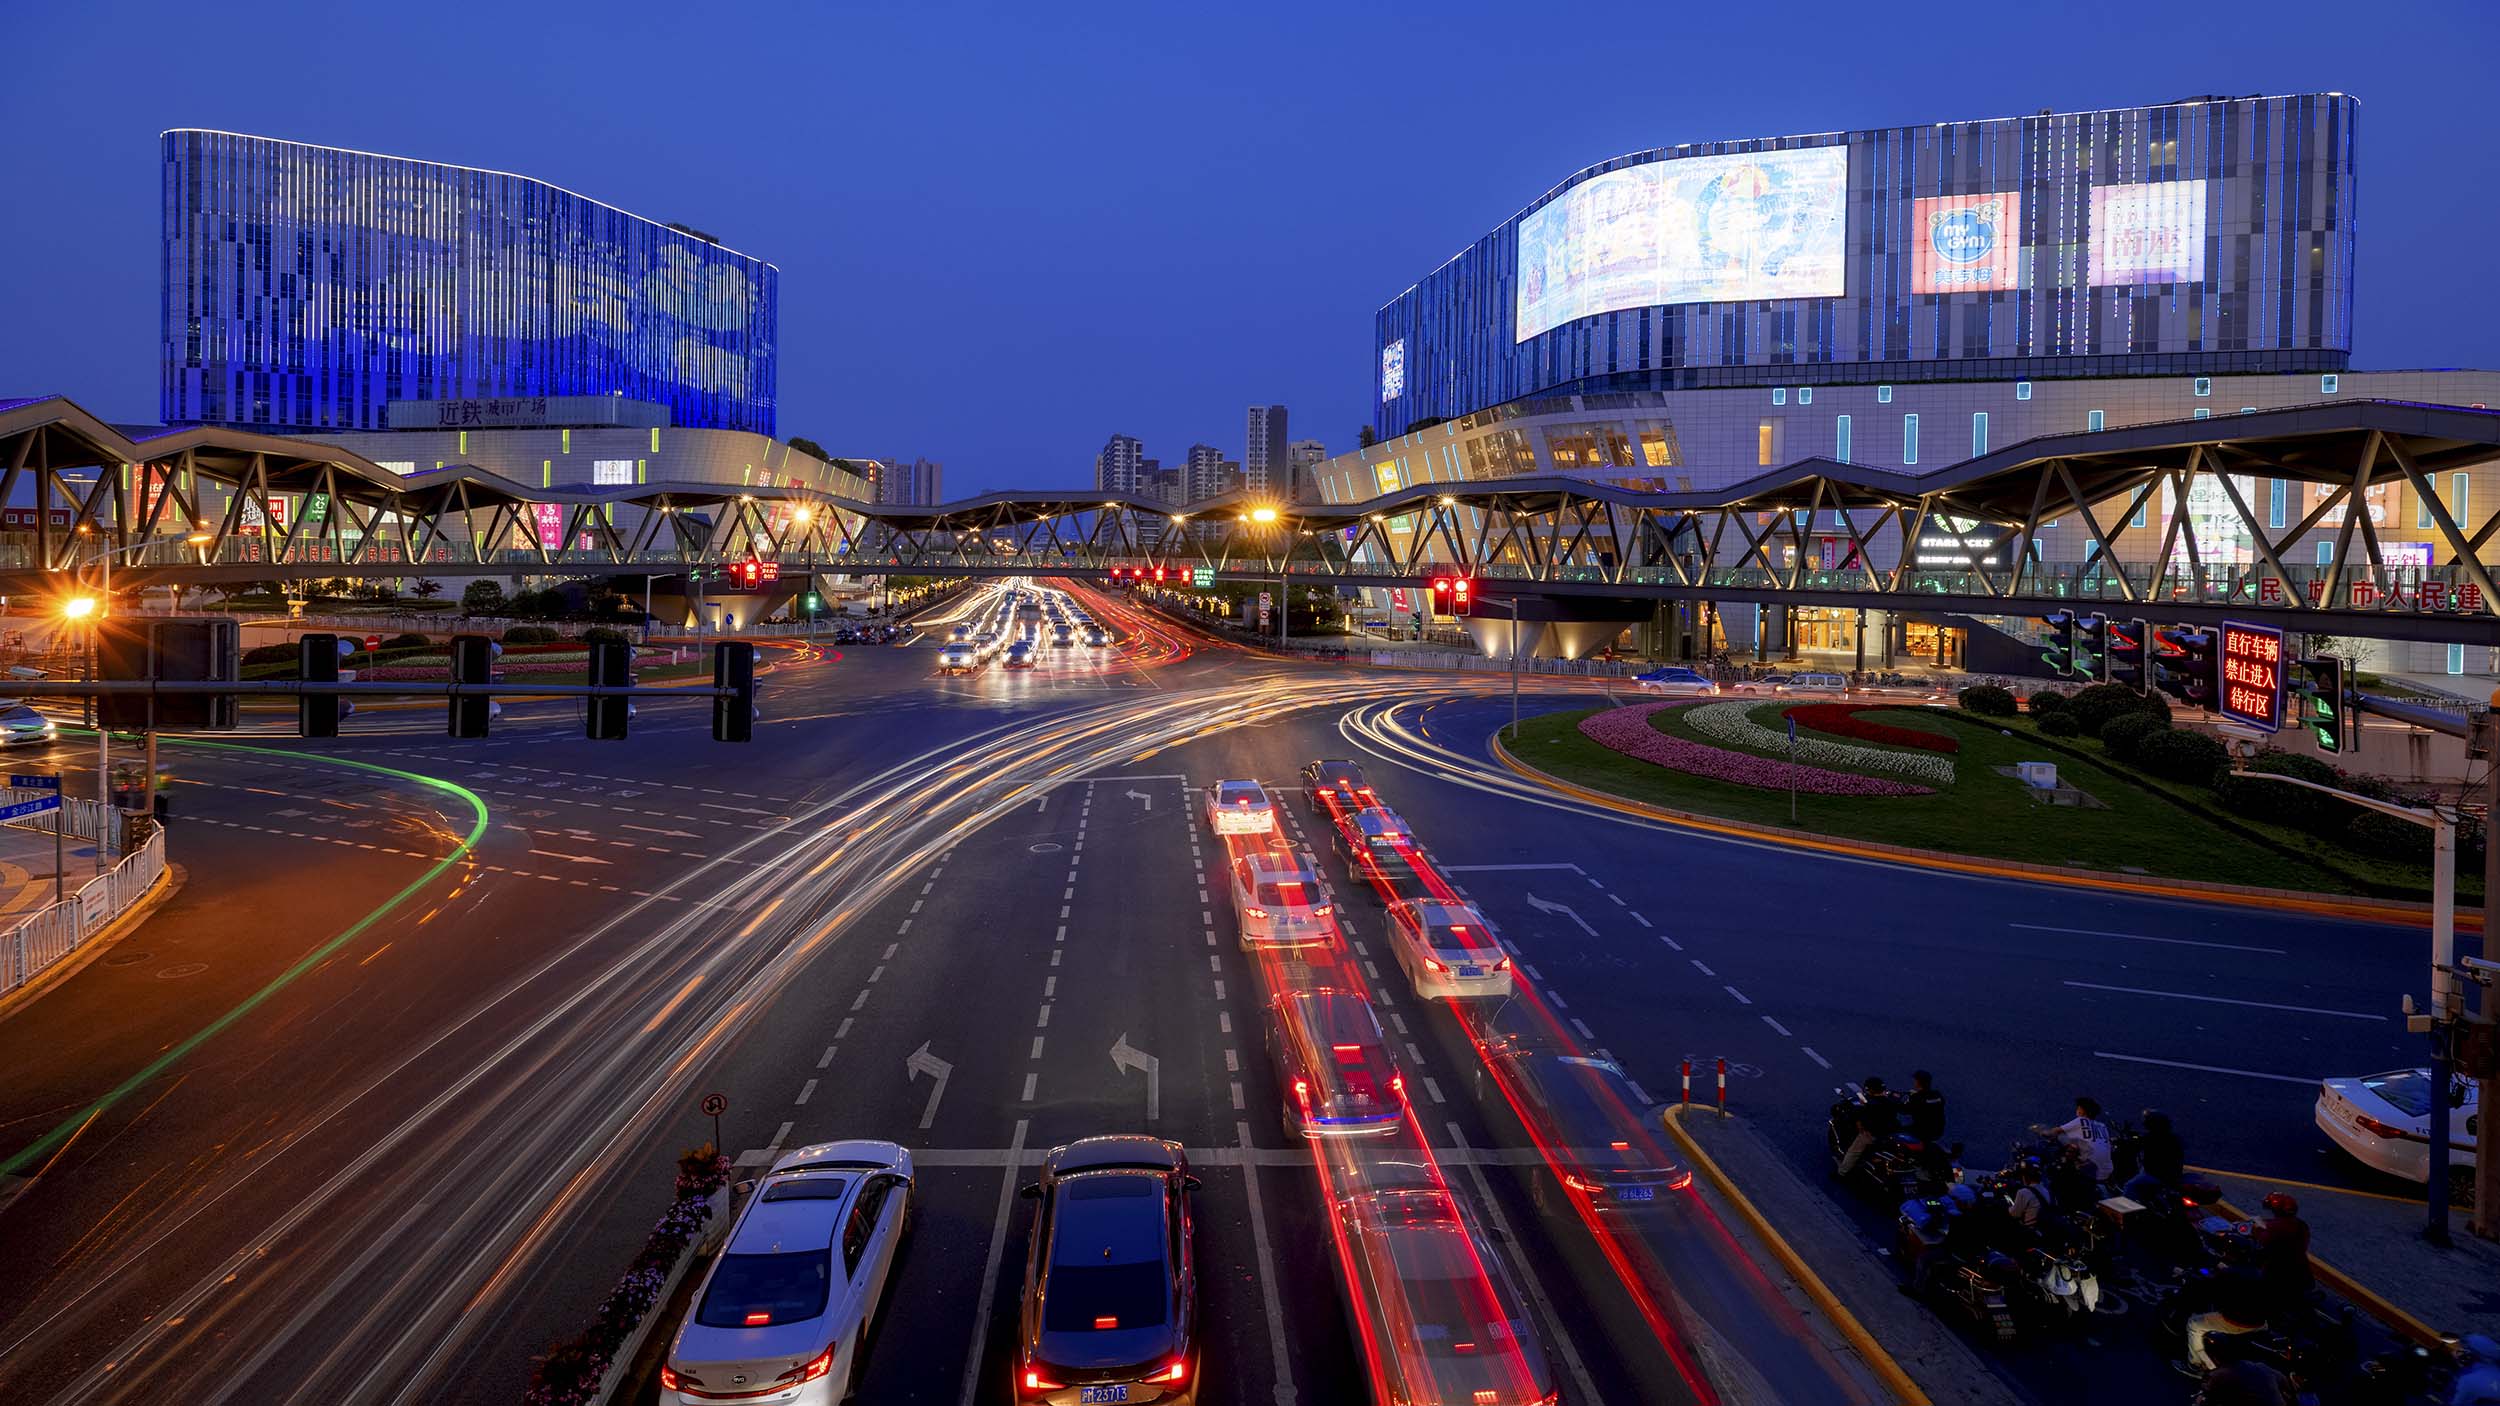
1471,971
1103,1393
1637,1193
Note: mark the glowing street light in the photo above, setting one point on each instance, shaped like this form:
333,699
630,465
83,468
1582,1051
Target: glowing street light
1263,514
78,607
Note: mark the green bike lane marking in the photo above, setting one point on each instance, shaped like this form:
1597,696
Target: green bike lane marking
69,1127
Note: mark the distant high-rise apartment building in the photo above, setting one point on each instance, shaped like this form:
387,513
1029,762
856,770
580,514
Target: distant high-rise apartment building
911,481
1203,473
1264,465
1303,457
1116,467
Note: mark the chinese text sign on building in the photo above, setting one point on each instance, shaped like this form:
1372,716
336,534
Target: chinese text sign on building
2252,676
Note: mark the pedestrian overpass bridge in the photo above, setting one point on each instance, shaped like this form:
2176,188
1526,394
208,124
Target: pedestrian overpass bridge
203,506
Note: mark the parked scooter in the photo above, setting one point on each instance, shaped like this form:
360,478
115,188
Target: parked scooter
2049,1272
1942,1247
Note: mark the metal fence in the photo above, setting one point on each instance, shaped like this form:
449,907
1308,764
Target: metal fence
44,937
87,819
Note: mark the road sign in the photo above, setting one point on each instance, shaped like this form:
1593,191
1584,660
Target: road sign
1202,576
2252,676
1267,602
26,808
373,641
34,783
714,1105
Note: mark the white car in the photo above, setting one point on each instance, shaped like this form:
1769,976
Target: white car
1278,896
1448,949
782,1314
2384,1121
1240,808
23,726
959,658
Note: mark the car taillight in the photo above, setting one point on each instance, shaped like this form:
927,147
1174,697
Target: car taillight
1434,964
1250,912
1176,1373
1501,964
1033,1381
1580,1184
1302,1092
1323,910
1397,1085
2375,1127
820,1365
1105,1322
674,1380
1680,1181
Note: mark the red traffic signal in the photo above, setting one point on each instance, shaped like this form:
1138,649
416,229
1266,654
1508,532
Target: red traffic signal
1441,588
1464,586
1158,575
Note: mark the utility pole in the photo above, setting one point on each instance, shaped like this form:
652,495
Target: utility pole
2486,1023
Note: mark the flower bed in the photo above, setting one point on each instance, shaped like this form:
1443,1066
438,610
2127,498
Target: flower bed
1733,723
1843,720
572,1372
1627,730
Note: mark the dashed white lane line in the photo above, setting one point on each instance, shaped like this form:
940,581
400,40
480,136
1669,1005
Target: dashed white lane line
863,1000
1219,991
1050,987
1232,1061
1224,1022
1535,1284
843,1031
1672,944
1775,1025
890,949
1414,1054
1810,1054
1398,1021
1042,1021
876,973
1703,967
805,1090
1583,1027
1237,1104
1055,954
1037,1047
1433,1089
1554,998
827,1057
781,1136
1644,922
1741,998
1029,1080
1532,973
1061,935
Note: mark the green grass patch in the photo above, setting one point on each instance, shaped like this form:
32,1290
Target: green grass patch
1983,814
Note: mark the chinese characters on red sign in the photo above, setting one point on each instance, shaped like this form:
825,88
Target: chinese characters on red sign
2252,676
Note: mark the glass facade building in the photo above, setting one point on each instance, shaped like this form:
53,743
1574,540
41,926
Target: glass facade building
307,287
2209,236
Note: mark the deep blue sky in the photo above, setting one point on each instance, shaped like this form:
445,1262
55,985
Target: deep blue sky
1005,232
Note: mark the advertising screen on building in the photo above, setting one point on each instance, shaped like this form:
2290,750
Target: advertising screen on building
1700,229
2148,233
2252,676
1393,370
1967,243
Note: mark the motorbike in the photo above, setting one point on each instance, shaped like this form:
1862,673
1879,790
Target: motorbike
1896,1168
1968,1278
2044,1269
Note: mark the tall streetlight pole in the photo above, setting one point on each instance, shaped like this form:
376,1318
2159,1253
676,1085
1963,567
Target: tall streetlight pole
94,610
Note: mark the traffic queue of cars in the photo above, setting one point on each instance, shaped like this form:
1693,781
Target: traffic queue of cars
1003,633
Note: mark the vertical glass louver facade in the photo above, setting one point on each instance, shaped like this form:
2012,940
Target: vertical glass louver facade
2211,235
307,287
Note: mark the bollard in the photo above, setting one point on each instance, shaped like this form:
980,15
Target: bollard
1688,1081
1723,1086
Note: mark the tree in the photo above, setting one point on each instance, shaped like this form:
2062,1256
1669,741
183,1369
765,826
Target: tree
428,588
1364,438
482,598
805,445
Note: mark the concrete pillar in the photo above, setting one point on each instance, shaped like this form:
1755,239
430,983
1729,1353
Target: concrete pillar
1788,630
1859,638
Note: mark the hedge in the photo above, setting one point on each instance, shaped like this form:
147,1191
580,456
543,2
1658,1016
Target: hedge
1988,700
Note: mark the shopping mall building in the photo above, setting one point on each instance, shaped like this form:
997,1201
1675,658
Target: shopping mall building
1905,298
428,316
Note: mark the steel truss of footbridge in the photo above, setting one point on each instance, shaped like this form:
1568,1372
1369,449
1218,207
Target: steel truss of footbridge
199,506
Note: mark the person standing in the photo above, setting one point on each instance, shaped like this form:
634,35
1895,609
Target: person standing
1923,1107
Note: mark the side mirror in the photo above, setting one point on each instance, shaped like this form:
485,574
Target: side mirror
744,1188
1190,1183
1030,1191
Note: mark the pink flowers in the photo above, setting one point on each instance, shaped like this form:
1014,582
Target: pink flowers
1627,730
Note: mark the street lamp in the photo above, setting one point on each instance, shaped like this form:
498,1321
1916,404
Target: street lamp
2447,1000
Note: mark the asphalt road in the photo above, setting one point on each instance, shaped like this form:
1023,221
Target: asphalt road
431,1141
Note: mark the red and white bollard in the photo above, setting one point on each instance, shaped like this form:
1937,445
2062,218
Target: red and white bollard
1723,1086
1688,1081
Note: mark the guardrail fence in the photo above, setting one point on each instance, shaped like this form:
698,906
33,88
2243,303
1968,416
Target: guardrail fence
52,932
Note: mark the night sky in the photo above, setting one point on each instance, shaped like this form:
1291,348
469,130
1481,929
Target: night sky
1006,232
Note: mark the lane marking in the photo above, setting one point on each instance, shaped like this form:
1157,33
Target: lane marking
1028,1087
2222,1000
827,1057
1432,1089
2202,1068
805,1091
1269,1301
1782,1029
1527,1272
1741,998
1507,868
1818,1059
1703,967
989,1274
2140,937
1583,1027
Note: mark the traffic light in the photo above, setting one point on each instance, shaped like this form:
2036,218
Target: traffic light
317,661
2127,641
1444,595
2060,653
2320,683
611,666
472,662
2092,647
2183,664
814,602
1463,597
733,667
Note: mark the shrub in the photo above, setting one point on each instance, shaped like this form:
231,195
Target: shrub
2369,832
2276,762
2154,705
2181,756
2059,722
605,634
2046,701
482,598
406,641
2100,702
270,654
531,634
1988,700
2123,734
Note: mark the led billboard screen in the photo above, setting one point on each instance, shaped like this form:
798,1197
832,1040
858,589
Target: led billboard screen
2252,676
2148,233
1700,229
1967,243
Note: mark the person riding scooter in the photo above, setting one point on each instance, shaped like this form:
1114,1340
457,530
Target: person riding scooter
2162,1156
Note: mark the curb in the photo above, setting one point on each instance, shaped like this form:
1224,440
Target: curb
1879,1360
2367,1298
2187,890
80,958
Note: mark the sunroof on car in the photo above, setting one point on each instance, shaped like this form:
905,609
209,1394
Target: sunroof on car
807,1189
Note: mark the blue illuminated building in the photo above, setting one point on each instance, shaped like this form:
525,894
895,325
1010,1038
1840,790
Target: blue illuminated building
2205,237
307,287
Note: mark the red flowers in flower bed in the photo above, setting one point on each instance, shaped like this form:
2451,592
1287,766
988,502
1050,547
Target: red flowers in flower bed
1627,730
1842,720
